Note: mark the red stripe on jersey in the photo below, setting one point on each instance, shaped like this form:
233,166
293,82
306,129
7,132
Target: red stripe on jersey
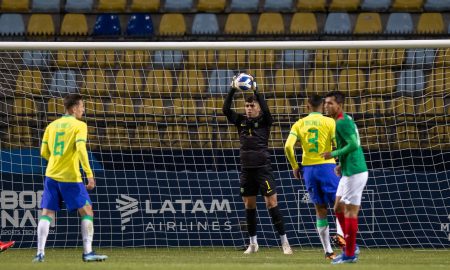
340,116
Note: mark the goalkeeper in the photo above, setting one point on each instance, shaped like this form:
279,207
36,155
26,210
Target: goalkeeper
64,146
315,132
256,174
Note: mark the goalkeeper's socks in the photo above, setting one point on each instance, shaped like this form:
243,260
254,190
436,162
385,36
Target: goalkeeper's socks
351,229
277,220
284,239
324,234
87,231
251,222
42,231
339,228
341,218
253,240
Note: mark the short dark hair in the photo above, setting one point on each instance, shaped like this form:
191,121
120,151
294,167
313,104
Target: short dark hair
71,100
251,99
338,96
315,100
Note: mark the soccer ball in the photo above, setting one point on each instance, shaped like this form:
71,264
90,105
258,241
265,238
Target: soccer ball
244,81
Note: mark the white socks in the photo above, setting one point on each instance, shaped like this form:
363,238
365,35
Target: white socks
324,234
253,240
283,239
339,228
87,231
42,231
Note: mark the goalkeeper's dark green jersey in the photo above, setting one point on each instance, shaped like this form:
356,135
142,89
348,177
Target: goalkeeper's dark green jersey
349,151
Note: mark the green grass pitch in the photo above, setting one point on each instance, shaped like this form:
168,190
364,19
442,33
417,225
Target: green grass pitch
224,258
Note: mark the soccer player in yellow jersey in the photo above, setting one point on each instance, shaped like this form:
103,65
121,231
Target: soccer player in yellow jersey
64,146
315,132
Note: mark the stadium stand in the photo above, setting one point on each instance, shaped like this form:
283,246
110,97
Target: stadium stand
74,25
399,23
430,23
15,6
296,58
41,25
29,82
244,5
63,82
311,5
79,6
36,59
219,80
168,59
304,23
437,5
278,6
411,82
420,58
238,24
140,25
205,24
375,5
270,24
115,6
145,6
407,5
172,24
337,23
179,6
46,6
344,5
107,25
368,23
11,25
95,83
381,82
211,6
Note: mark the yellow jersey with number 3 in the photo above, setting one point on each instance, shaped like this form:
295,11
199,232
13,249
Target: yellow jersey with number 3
316,135
64,146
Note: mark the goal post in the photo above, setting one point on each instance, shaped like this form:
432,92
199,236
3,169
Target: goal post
167,162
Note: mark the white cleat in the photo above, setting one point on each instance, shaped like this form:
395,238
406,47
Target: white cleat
252,248
287,250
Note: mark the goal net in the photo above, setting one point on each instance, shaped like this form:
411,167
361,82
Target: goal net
167,162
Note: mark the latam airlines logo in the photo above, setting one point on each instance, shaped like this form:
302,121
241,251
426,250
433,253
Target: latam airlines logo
127,206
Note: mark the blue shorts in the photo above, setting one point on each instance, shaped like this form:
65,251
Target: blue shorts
74,195
321,183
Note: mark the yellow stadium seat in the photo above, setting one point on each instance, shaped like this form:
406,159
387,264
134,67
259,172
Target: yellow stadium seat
280,107
206,111
41,25
231,59
390,57
29,82
433,109
159,83
145,5
134,58
360,57
350,106
270,24
172,24
404,109
191,82
185,110
55,108
201,59
304,23
24,109
439,81
238,24
103,59
344,5
431,23
211,5
373,106
320,81
311,5
368,23
329,58
300,106
352,82
276,139
112,6
154,110
117,138
18,137
438,137
381,82
96,84
95,109
227,137
74,25
147,136
205,136
261,58
121,109
407,5
15,6
70,58
287,83
407,137
128,82
176,136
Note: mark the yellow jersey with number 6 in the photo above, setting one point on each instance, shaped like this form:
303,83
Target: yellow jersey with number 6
316,135
64,146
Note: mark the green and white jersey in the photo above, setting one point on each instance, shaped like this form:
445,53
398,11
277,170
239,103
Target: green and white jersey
349,151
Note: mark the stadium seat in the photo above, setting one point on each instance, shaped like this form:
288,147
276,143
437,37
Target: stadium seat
238,24
244,5
437,5
29,82
304,23
128,82
231,59
375,5
368,23
360,57
352,82
311,5
219,81
432,108
381,82
211,6
159,83
55,108
320,81
349,105
63,82
344,5
185,110
439,81
337,23
36,59
107,25
104,59
422,58
145,6
205,24
41,24
46,6
117,6
296,59
270,24
147,136
205,136
287,83
140,25
390,57
430,23
138,58
178,6
172,25
69,58
15,6
261,58
404,108
373,105
95,83
117,137
121,109
407,137
329,58
279,107
168,59
399,23
227,137
11,25
79,6
201,59
411,82
438,137
278,6
191,82
74,25
407,5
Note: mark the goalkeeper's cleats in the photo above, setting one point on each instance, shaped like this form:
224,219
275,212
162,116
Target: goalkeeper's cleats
344,259
252,248
330,256
38,258
93,257
287,250
338,240
5,245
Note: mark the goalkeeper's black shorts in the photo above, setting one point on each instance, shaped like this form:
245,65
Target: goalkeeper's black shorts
257,180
